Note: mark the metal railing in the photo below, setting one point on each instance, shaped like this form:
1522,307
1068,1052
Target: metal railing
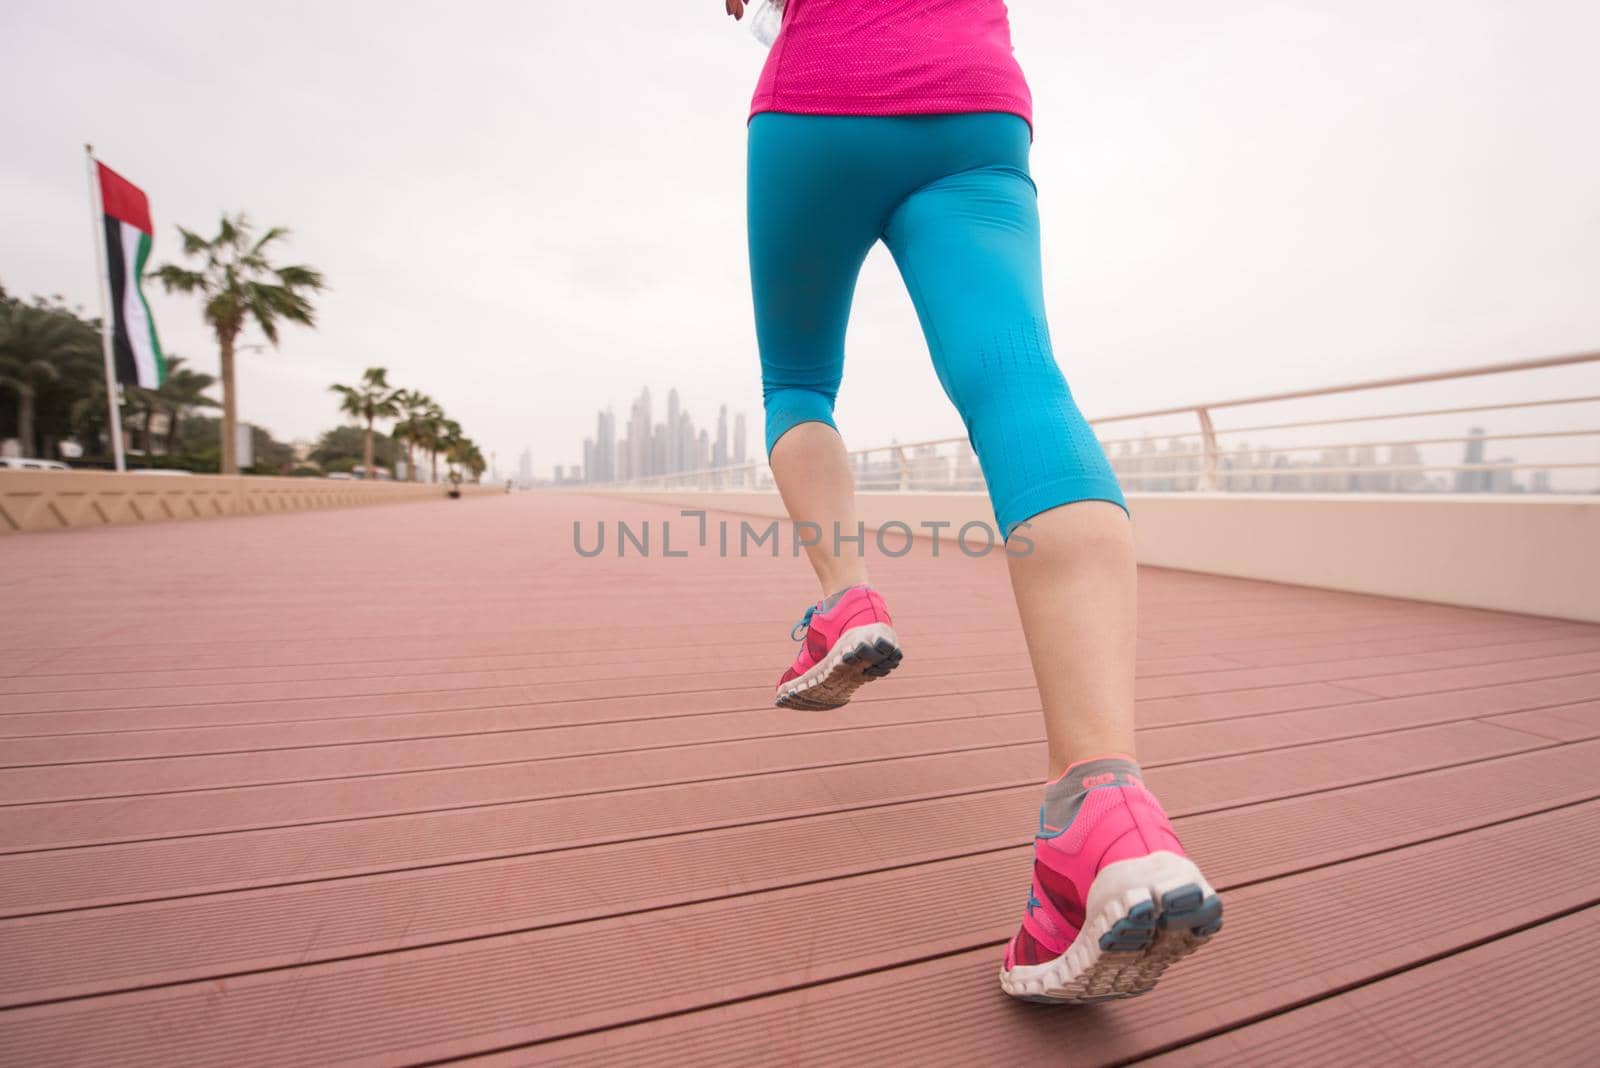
1201,458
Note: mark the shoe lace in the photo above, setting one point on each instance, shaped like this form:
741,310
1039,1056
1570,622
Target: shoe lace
799,629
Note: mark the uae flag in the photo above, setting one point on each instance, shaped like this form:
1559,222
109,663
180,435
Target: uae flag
134,348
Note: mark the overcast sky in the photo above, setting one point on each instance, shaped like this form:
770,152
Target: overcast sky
530,210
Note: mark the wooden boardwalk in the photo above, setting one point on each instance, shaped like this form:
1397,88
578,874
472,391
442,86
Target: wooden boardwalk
419,783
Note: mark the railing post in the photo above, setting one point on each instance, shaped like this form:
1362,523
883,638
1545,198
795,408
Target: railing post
905,468
1208,443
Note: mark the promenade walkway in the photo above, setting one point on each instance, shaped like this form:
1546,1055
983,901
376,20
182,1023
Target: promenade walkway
417,783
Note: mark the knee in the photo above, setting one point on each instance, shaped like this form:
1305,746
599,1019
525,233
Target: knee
999,400
1090,532
787,408
1008,372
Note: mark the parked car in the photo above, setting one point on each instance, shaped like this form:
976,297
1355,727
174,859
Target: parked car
24,463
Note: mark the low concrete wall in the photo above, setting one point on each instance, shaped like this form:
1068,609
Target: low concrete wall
69,500
1517,553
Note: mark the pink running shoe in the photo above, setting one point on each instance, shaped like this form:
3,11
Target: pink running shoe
1114,899
847,641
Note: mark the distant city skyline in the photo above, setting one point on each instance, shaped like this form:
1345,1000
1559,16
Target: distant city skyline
1161,463
646,448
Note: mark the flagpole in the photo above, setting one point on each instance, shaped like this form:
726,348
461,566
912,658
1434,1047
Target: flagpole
102,284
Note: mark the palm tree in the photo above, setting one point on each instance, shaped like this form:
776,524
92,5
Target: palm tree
240,285
414,406
180,391
464,452
444,435
34,338
369,400
426,427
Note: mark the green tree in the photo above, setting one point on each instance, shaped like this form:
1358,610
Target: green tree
369,400
35,341
199,443
79,362
411,424
239,285
344,447
272,457
444,434
425,427
183,391
463,452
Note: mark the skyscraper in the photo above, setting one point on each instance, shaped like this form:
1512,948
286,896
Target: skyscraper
1406,455
605,447
1473,481
674,443
738,438
639,432
685,438
719,451
659,442
525,467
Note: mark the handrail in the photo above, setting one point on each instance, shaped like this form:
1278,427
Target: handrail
1338,420
1462,440
1466,410
1371,383
1365,469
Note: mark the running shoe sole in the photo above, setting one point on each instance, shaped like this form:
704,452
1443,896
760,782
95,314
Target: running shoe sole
1145,915
861,655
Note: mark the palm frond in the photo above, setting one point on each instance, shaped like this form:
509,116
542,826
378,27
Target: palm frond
177,279
193,243
299,276
273,233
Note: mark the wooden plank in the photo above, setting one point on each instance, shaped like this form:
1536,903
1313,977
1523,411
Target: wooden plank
61,824
1289,941
80,878
1510,1001
96,950
686,727
918,725
644,705
408,740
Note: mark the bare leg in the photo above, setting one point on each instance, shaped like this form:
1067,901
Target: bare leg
813,474
1076,592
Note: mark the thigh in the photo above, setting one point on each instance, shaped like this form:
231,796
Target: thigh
967,246
812,221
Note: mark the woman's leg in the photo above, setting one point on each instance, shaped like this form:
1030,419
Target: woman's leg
818,196
812,220
1113,898
1076,593
968,248
813,474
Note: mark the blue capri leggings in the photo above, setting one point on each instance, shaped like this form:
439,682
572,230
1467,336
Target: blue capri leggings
951,197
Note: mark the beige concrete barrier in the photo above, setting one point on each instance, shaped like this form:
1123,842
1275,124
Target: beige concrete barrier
69,500
1538,554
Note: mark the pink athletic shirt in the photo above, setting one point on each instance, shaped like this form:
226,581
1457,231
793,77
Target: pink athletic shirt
893,57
